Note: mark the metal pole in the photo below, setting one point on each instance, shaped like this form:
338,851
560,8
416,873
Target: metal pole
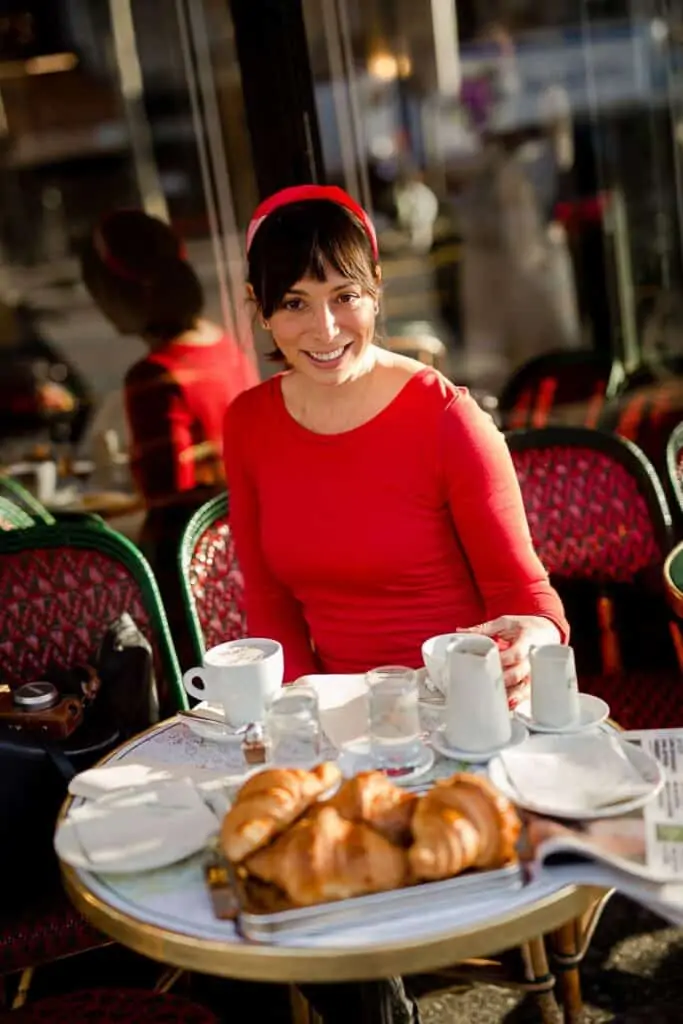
130,77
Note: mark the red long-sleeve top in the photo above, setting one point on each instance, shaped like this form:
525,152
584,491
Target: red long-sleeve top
176,400
356,547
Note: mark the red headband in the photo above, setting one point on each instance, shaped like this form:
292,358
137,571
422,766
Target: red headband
113,263
301,193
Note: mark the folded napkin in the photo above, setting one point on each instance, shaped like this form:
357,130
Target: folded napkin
215,787
137,830
573,773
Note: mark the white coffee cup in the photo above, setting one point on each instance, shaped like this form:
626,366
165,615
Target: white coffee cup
477,713
244,684
554,687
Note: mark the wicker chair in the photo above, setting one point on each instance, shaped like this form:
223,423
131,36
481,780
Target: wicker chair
12,517
601,525
107,1006
60,587
563,386
12,491
211,579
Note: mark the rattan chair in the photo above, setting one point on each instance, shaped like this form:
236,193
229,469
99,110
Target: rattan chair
211,580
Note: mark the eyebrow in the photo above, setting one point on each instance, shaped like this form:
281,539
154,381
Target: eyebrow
302,291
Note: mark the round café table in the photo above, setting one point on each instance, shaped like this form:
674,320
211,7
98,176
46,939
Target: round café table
167,915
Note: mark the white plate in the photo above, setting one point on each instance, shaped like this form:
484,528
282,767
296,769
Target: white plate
355,757
131,839
440,744
218,732
647,767
593,711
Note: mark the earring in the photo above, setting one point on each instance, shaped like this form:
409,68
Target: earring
265,324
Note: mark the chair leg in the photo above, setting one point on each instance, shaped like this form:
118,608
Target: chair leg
21,994
568,956
302,1011
541,981
168,979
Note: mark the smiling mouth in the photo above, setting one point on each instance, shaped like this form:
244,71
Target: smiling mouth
329,357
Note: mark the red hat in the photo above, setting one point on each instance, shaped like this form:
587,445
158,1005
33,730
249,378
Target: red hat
301,193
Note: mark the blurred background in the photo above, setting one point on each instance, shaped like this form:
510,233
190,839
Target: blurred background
522,162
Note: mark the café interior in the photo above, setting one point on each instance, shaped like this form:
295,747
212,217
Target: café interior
523,166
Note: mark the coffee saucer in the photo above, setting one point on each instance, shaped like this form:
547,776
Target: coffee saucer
355,757
441,745
592,712
212,725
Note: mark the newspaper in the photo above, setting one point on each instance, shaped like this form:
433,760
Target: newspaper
663,817
640,854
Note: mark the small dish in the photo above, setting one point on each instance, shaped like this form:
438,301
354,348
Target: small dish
649,770
355,757
217,731
592,711
440,744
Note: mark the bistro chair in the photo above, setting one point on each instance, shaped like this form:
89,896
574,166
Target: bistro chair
61,586
561,386
107,1006
646,413
13,517
13,491
601,526
674,467
211,580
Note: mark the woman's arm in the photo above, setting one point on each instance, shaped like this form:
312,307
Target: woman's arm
489,518
271,609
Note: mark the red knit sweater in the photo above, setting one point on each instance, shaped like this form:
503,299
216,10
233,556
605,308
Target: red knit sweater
176,399
357,546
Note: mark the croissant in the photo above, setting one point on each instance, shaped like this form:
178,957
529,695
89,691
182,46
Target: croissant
270,801
324,857
463,822
371,798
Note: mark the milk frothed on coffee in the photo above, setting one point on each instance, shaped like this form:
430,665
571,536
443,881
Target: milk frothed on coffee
237,656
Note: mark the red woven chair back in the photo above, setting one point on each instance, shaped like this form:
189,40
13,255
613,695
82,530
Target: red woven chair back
217,585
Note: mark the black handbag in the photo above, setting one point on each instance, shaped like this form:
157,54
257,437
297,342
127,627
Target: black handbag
34,774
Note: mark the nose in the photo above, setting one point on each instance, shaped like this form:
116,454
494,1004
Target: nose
325,323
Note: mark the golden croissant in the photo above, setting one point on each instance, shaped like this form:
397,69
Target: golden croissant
268,803
371,798
324,857
463,822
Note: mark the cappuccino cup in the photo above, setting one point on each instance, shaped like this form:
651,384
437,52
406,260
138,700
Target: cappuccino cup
554,687
243,676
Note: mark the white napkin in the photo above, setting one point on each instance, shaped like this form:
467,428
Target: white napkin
215,787
136,830
573,773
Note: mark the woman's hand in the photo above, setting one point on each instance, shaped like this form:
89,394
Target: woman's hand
515,636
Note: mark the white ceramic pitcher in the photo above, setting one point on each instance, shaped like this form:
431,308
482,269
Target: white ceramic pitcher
477,713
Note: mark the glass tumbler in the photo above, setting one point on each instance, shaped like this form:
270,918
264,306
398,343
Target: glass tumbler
293,728
395,734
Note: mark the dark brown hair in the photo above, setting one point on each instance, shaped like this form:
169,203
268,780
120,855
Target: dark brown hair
135,263
303,240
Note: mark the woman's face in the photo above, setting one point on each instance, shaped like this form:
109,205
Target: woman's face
324,328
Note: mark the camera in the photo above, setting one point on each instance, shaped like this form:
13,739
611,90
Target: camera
39,709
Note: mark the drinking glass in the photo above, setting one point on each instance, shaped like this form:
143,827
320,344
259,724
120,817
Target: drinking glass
395,734
293,728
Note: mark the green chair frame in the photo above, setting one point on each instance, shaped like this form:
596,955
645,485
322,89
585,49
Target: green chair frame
203,518
23,499
91,535
13,516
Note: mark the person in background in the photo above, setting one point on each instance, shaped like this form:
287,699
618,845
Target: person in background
135,268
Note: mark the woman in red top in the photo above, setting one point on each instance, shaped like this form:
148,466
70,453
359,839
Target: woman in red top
373,503
134,267
176,396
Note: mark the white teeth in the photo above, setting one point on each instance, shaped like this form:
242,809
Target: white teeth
326,357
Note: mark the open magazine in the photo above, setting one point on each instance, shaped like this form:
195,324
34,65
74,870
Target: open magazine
640,854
